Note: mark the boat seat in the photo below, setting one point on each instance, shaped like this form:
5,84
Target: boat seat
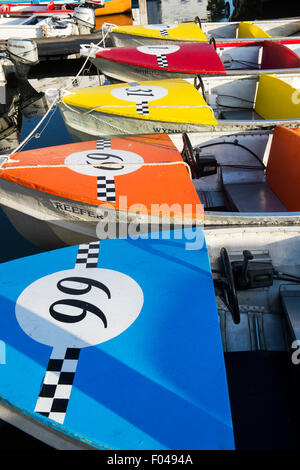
290,300
253,197
247,29
283,168
240,115
277,188
274,99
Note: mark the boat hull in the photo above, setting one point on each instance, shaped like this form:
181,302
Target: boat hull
126,72
130,40
96,124
50,222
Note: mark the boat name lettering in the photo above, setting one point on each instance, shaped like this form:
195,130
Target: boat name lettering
163,130
77,210
81,305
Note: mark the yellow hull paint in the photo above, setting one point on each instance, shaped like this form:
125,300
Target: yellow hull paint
177,31
276,99
172,100
247,29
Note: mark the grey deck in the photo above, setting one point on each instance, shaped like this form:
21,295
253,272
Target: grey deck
253,197
241,115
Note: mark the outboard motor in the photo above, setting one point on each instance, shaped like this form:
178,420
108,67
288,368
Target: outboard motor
24,54
85,19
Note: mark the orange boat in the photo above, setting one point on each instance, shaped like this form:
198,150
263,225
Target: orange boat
111,7
101,189
121,19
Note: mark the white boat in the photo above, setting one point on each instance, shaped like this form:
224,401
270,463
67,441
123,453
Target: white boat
81,21
184,105
283,30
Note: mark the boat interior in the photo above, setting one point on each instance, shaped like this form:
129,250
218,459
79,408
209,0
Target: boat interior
246,172
257,282
251,98
253,29
264,55
33,20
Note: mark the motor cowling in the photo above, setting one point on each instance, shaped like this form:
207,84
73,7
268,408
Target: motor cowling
85,19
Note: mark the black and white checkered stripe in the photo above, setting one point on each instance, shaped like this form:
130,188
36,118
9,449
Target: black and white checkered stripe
106,190
164,32
103,144
162,60
87,255
142,107
56,389
57,384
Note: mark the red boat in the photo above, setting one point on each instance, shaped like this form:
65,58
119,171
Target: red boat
25,9
187,60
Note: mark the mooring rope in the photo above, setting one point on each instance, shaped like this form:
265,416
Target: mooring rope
54,103
80,165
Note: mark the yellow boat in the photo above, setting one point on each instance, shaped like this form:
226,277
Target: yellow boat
183,105
286,31
147,107
112,7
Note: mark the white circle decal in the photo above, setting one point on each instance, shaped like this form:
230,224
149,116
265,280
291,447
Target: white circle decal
78,309
113,162
158,50
160,26
138,93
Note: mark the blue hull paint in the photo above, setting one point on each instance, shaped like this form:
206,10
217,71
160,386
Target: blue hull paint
159,384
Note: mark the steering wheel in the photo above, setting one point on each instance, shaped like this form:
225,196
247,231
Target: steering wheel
198,21
198,83
233,303
189,157
213,42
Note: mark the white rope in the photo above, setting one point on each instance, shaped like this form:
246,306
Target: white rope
80,165
134,106
30,135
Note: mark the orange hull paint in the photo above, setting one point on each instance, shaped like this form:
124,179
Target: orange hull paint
283,169
149,185
112,7
119,20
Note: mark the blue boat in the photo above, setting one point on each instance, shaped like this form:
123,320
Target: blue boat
104,347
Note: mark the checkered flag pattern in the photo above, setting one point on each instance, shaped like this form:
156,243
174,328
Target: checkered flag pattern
103,144
164,32
162,60
106,190
56,389
142,108
87,256
57,385
105,187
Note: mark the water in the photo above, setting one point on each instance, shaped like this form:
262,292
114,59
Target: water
55,133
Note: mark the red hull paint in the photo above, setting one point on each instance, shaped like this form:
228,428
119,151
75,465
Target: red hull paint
185,58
